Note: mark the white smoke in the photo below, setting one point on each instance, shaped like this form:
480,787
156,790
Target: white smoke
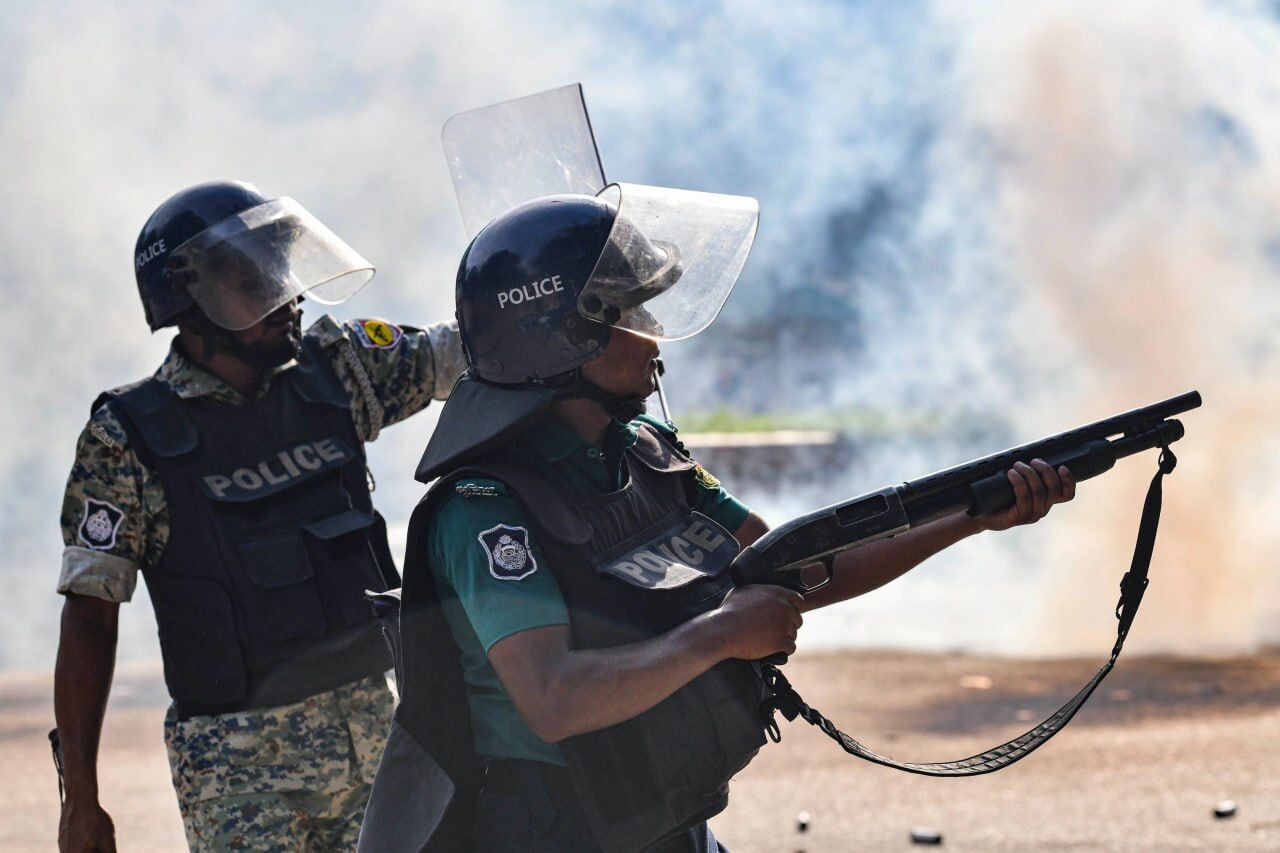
1073,207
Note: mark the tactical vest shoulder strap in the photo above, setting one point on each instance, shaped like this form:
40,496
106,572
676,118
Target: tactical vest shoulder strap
152,414
107,396
314,377
547,506
659,452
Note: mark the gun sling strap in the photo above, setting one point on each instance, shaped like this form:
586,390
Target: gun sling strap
1132,586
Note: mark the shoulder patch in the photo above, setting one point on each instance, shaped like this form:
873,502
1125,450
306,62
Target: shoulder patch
99,524
103,436
479,488
507,549
705,478
377,334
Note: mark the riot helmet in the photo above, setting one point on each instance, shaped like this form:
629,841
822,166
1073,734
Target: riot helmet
540,286
518,287
227,249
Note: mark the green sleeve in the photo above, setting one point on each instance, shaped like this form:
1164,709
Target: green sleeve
707,495
497,601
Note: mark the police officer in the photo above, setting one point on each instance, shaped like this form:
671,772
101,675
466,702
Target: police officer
234,479
601,691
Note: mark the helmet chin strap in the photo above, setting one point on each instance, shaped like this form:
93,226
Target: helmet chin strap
576,387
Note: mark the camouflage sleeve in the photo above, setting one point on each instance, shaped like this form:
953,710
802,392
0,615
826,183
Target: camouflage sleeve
391,371
108,529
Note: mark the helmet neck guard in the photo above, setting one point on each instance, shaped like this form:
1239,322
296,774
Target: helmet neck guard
481,416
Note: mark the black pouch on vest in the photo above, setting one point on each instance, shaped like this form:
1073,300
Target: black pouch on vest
205,667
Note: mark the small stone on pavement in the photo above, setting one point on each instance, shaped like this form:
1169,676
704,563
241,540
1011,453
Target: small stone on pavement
925,835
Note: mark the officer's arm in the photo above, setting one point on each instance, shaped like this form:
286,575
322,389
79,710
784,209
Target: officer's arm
81,683
105,524
864,569
391,371
561,692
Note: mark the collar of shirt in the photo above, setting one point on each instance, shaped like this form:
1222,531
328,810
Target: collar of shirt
189,380
558,448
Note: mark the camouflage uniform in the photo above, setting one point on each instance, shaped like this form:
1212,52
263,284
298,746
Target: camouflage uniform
293,777
290,778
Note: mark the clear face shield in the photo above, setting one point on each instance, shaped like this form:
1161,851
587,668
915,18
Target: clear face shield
671,259
503,155
241,269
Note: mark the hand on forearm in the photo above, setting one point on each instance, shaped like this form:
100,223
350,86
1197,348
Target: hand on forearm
1036,489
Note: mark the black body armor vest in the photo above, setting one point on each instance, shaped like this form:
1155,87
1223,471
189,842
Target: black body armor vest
272,541
631,565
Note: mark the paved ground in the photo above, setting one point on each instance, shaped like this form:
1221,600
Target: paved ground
1140,768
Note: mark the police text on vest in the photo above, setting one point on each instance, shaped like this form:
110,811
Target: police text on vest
292,464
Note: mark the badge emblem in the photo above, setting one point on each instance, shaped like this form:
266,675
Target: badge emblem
378,334
508,551
100,524
704,478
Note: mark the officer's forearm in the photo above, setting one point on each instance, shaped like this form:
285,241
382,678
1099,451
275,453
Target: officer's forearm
81,684
863,569
561,693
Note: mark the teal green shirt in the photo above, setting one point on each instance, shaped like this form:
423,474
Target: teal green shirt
484,603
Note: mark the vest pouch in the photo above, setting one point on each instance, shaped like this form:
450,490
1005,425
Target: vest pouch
280,599
342,549
652,776
733,691
196,621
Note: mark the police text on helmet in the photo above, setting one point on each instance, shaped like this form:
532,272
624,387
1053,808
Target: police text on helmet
532,290
150,253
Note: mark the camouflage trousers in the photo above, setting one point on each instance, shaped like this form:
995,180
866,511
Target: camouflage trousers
292,778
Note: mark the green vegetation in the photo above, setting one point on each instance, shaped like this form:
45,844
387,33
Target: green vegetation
859,420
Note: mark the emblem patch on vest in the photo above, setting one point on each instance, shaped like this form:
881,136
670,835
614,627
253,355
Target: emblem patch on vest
704,478
377,334
508,551
100,523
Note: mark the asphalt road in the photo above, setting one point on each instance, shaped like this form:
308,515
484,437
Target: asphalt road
1140,768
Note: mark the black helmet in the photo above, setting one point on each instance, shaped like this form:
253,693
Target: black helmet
542,286
238,256
518,287
181,217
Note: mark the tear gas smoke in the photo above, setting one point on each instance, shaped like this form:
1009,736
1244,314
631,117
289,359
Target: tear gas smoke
976,204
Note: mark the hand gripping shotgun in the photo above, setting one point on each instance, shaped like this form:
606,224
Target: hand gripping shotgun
977,487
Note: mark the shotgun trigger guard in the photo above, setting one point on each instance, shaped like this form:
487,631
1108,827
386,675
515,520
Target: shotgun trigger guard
828,564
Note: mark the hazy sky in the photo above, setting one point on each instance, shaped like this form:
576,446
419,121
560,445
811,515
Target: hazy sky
1076,208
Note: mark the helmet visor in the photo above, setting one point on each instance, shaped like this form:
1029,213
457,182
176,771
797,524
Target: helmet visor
503,155
246,266
670,261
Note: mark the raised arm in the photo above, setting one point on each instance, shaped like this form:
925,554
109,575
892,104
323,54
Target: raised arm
1037,487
